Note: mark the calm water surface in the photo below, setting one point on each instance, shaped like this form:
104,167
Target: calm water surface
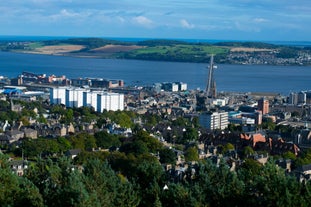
243,78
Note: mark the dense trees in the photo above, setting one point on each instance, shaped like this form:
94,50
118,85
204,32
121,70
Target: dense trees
126,180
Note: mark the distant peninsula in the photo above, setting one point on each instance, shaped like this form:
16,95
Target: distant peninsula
166,50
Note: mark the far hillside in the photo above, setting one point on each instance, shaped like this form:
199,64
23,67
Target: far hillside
167,50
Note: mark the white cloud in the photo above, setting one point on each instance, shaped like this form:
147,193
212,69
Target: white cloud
185,24
67,14
144,21
120,19
247,27
260,20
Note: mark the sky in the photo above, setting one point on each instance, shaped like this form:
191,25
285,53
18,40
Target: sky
247,20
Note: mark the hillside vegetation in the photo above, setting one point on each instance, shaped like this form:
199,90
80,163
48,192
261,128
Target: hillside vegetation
168,50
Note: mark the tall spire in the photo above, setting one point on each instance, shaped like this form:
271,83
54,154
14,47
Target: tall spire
211,84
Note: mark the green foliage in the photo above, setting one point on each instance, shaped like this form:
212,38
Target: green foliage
289,155
287,52
191,134
106,140
168,156
4,105
67,117
268,124
304,158
192,154
83,141
43,147
246,44
137,147
123,118
10,116
217,186
16,191
41,119
139,181
175,52
151,120
247,151
252,166
228,147
105,186
177,195
38,147
152,143
59,183
271,187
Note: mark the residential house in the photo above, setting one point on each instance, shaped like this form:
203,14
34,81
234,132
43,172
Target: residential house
19,166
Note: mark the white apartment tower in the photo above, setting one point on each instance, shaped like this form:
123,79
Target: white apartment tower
90,99
78,97
302,97
214,120
110,102
74,97
58,95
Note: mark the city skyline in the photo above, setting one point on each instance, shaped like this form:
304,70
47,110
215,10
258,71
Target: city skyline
220,20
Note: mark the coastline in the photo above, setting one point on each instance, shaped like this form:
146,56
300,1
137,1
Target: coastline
113,56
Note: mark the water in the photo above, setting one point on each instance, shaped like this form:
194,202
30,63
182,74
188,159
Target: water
239,78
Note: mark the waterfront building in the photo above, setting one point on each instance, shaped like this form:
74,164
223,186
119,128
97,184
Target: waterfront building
214,120
308,97
302,98
263,105
182,86
173,87
80,82
293,98
97,82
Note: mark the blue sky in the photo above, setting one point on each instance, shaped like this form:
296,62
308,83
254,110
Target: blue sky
267,20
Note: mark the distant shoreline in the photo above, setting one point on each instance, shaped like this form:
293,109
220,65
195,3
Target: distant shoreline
238,53
138,39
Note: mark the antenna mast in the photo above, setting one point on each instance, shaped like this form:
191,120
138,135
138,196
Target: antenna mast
211,84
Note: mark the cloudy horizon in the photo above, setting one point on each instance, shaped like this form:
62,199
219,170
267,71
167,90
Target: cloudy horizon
197,19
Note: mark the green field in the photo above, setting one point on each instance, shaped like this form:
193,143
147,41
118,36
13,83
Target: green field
184,49
180,52
35,45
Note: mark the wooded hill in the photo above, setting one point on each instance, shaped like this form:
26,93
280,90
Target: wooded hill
166,50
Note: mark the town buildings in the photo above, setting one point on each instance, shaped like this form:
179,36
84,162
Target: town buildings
263,105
